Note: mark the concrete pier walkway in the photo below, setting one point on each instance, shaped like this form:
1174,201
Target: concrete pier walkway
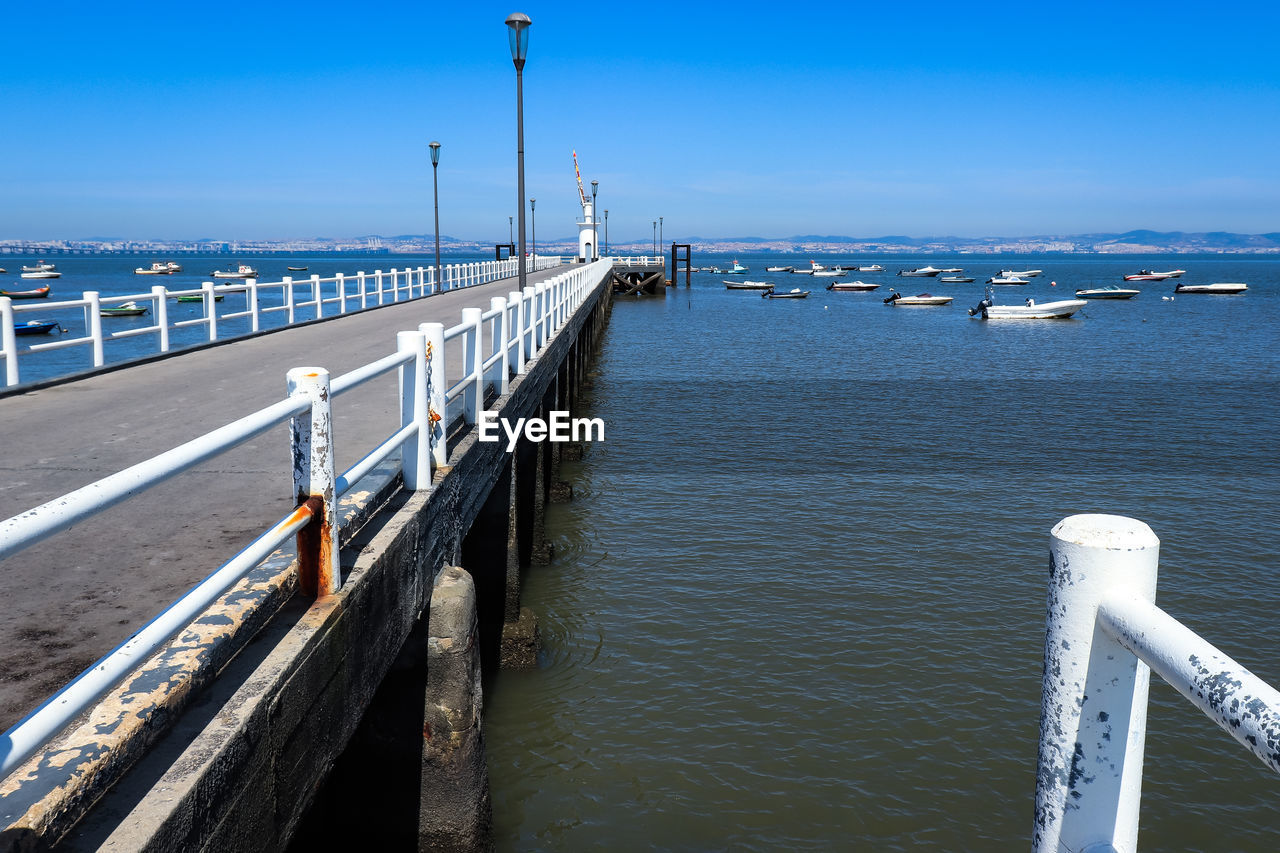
70,601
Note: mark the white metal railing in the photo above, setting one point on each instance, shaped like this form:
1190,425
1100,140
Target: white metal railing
1104,636
327,296
523,322
638,261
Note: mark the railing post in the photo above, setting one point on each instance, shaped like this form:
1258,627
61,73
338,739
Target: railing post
93,323
255,310
395,285
1093,711
437,412
364,295
8,341
415,457
210,309
516,304
377,283
288,297
160,296
540,337
314,482
315,295
529,319
473,395
500,333
340,282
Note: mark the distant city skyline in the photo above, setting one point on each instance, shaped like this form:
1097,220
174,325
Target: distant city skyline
286,121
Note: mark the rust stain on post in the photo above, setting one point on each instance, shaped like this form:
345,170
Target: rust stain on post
314,573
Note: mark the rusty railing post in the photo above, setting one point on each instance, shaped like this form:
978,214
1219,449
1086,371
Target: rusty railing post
314,482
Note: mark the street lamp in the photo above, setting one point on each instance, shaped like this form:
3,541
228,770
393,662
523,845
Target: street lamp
510,239
662,244
606,230
595,238
519,38
655,238
533,227
435,189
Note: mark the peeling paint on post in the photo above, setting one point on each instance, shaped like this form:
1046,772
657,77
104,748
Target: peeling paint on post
1094,706
415,457
313,479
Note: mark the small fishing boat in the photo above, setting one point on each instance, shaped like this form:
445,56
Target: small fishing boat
736,269
896,298
796,293
296,269
815,267
40,266
955,279
851,286
1020,273
38,293
1216,287
920,272
748,285
124,309
780,269
199,297
174,267
871,268
1000,279
37,327
802,272
156,268
1148,275
242,271
42,274
1110,291
834,272
1058,310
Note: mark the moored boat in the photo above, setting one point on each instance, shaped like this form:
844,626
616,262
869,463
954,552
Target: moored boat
1216,287
1058,310
736,269
955,279
199,297
780,269
174,267
897,298
920,272
296,269
37,327
957,270
851,285
1020,273
242,271
871,268
1148,275
42,274
1171,273
156,268
38,293
40,266
124,309
795,293
834,272
997,279
748,285
1110,291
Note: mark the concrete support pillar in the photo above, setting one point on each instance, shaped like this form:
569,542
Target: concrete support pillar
454,813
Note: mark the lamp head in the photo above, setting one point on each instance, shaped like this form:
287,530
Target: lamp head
519,37
435,153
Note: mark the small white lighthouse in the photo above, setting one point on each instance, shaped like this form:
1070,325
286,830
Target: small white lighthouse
587,249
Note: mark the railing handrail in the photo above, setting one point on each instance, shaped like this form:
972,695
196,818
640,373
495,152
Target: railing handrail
406,283
1104,635
423,367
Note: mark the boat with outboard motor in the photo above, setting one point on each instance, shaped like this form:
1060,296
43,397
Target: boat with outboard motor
242,271
1216,287
1110,291
795,293
748,285
1149,275
851,286
1059,309
896,298
37,327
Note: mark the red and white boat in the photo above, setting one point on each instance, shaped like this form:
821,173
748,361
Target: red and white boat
1149,275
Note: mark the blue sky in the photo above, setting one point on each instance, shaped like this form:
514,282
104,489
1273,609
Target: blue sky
288,120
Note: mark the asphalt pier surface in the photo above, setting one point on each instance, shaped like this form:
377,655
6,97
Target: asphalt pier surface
72,599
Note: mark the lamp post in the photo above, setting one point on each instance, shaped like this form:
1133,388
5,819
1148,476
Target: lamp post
662,244
655,238
606,230
518,36
510,238
595,232
533,227
435,191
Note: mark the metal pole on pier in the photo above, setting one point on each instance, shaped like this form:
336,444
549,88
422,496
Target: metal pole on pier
435,187
518,37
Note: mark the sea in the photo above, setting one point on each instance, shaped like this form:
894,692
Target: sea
798,599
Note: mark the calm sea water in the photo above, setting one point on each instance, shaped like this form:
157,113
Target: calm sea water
798,601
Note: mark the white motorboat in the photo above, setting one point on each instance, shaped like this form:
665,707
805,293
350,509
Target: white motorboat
42,274
1058,310
243,271
951,270
871,268
1111,291
779,269
1148,275
747,285
815,267
831,273
919,299
920,272
955,279
996,279
1020,273
851,285
174,267
1216,287
1171,273
802,272
39,266
156,268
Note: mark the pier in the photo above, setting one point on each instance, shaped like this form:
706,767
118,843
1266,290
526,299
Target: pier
224,730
